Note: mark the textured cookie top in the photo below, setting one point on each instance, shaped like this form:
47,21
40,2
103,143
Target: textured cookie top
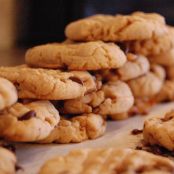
112,98
137,65
159,131
7,161
77,129
108,161
149,84
154,46
167,92
43,83
137,26
28,122
79,56
8,93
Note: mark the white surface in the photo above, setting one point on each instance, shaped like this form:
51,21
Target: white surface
32,156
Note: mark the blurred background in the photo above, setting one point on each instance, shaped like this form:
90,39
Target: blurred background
24,23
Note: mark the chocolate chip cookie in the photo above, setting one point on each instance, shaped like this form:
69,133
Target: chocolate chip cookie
8,93
28,122
108,161
43,83
137,26
80,56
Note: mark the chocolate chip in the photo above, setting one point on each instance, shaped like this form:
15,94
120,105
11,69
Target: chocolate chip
136,131
17,167
28,115
77,80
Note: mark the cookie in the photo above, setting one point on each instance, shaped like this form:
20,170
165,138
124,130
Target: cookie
43,83
149,84
137,26
89,81
77,129
159,131
8,93
28,122
136,66
165,59
7,161
154,46
108,161
167,92
80,56
112,98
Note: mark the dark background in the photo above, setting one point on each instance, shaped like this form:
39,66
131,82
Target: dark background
42,21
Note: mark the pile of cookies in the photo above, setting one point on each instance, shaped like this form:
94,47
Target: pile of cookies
108,67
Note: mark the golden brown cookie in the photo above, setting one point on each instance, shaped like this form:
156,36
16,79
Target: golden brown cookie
77,129
108,161
28,122
80,56
113,98
7,161
159,131
154,46
136,66
149,84
43,83
117,28
167,92
8,93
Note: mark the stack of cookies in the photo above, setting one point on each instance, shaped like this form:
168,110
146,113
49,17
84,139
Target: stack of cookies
105,68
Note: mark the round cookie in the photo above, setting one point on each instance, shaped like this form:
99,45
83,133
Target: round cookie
43,83
8,93
136,66
113,98
80,56
108,161
7,161
28,122
154,46
167,92
159,131
149,84
117,28
77,129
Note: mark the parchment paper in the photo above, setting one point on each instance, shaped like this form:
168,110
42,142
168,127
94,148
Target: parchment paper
32,156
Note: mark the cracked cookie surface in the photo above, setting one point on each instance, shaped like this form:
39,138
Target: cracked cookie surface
137,26
28,122
7,161
136,66
159,131
43,83
154,46
77,129
149,84
108,161
8,93
79,56
112,98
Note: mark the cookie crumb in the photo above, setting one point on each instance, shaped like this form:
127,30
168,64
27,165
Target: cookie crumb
136,131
